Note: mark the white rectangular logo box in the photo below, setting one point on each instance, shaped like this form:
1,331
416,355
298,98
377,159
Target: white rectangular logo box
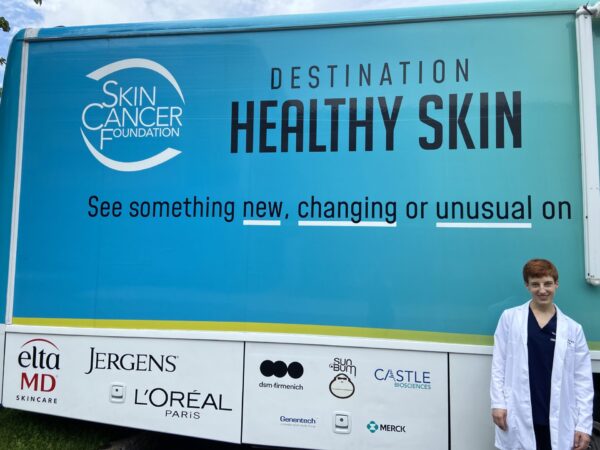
188,387
322,397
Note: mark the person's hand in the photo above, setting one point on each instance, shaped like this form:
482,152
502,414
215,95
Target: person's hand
499,417
582,441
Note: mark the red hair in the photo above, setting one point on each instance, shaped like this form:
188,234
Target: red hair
538,268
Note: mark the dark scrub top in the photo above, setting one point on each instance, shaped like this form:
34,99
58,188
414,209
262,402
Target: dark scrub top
540,348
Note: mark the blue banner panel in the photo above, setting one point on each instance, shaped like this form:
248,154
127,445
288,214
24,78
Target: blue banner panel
391,176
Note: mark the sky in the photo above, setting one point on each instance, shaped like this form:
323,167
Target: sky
26,14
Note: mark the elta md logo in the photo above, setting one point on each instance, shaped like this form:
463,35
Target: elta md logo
39,358
133,114
280,369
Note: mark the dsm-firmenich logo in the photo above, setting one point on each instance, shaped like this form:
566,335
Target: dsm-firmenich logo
280,369
131,126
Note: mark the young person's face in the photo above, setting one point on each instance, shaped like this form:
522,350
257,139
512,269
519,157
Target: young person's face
542,290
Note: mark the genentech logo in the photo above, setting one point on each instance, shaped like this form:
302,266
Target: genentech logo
40,360
145,110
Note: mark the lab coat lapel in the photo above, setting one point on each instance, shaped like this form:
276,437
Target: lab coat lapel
560,347
560,350
524,322
527,436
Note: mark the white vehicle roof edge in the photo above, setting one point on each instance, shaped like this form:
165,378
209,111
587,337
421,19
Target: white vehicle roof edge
589,143
31,33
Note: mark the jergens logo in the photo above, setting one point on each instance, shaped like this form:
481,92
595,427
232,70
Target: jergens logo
131,111
137,362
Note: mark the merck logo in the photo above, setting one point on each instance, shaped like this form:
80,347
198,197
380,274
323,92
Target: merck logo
373,426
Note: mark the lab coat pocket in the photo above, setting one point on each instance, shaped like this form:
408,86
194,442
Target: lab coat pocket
569,353
511,421
505,440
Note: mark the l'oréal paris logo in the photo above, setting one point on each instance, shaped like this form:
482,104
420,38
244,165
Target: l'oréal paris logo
131,362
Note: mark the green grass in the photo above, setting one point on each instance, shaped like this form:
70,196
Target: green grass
20,430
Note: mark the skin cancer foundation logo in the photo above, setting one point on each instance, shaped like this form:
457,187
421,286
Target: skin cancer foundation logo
131,112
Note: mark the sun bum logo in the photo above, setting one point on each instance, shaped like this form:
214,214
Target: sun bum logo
39,359
342,386
373,427
131,362
132,111
280,369
344,365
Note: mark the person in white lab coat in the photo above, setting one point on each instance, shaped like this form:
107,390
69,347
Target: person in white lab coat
541,388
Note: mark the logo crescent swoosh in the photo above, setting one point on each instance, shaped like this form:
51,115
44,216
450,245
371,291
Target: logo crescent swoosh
133,166
136,63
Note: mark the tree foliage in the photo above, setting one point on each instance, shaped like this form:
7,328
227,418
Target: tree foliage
5,26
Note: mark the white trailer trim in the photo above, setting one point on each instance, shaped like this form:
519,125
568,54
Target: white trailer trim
14,227
589,143
2,340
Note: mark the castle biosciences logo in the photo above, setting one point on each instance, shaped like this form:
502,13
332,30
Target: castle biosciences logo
139,114
39,360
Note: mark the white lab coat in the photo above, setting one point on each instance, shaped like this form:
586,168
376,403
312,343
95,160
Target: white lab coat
571,392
